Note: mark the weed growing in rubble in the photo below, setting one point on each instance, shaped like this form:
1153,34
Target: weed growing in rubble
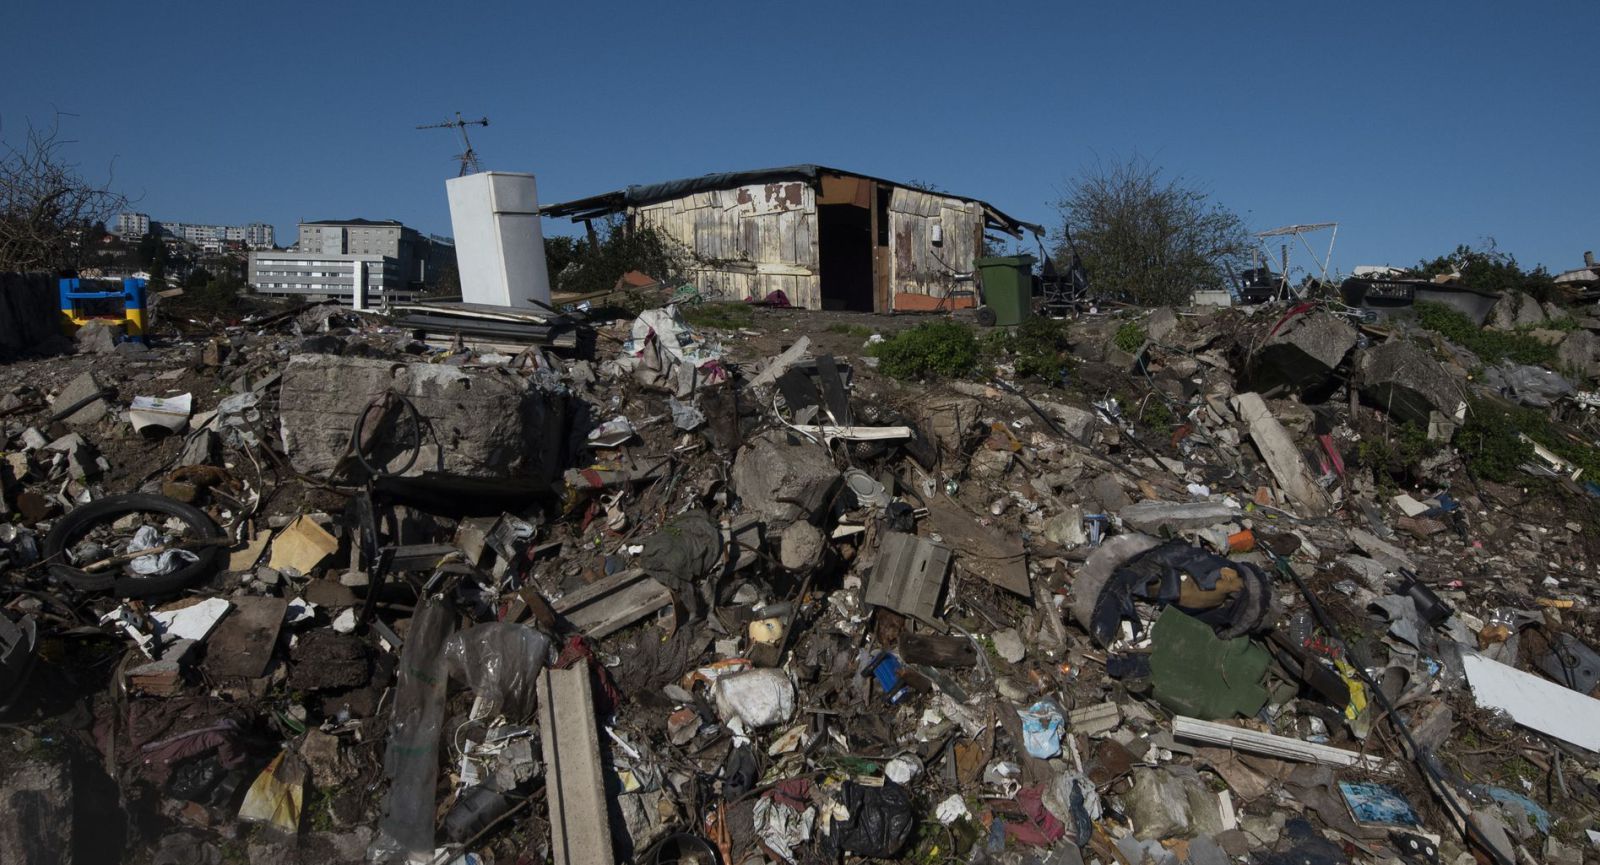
1130,336
1490,444
1491,346
1395,452
936,349
1037,348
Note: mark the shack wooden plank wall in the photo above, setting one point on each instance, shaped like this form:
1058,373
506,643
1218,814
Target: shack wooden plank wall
761,238
753,240
920,268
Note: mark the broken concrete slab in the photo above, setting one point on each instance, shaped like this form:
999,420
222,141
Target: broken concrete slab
82,390
783,482
1152,516
1282,457
1303,352
243,644
1408,384
1161,323
480,429
1385,553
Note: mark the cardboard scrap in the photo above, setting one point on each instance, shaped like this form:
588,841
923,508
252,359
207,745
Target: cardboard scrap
302,546
244,559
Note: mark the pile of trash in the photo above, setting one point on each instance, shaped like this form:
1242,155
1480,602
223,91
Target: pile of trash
310,587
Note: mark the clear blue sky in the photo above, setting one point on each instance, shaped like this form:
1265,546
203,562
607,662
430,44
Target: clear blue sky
1415,125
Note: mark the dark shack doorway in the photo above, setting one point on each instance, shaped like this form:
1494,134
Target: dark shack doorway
844,249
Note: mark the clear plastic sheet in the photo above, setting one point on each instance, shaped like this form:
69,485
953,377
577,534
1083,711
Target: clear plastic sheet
500,661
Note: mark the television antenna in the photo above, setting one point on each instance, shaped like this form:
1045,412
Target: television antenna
468,157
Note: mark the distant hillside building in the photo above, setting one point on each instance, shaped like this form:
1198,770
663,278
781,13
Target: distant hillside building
395,260
132,225
256,235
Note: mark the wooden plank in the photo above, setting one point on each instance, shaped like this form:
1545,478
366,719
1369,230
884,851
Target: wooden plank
575,789
243,643
995,556
609,605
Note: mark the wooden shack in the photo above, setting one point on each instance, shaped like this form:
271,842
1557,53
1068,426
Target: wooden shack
826,238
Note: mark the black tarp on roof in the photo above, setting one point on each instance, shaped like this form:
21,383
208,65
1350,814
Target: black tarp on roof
639,196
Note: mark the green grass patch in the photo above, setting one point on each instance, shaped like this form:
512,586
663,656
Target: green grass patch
935,349
724,315
1491,346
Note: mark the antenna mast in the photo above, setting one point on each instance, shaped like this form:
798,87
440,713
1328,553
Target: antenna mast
468,157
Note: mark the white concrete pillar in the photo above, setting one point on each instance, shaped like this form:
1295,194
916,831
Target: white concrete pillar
358,285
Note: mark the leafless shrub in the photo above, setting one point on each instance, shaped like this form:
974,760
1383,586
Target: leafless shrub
46,205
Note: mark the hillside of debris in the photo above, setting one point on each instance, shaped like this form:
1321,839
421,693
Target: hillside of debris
732,583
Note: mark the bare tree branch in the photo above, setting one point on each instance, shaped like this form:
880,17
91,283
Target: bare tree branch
1145,238
46,205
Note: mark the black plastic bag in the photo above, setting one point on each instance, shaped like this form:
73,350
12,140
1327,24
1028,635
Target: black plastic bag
880,820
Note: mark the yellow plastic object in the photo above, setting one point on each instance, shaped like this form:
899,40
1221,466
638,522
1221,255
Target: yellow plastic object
277,794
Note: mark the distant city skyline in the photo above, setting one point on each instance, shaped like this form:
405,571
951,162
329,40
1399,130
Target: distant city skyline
1416,127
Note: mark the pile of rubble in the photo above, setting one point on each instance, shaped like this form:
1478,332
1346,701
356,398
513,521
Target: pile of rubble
310,589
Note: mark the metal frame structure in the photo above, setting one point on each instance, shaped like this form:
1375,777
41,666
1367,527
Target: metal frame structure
1298,232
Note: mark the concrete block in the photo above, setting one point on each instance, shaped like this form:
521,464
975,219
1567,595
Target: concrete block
1304,352
98,337
781,482
77,390
483,429
1402,380
1152,516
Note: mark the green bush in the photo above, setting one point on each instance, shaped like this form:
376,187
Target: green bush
1130,336
1491,346
645,248
1491,270
935,349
